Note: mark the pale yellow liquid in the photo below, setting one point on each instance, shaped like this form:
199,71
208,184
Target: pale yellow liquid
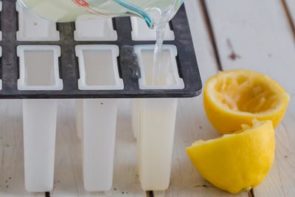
69,10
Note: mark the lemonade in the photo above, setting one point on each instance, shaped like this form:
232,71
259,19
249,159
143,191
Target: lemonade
69,10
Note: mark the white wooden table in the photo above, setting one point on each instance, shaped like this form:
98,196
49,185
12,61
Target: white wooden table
228,34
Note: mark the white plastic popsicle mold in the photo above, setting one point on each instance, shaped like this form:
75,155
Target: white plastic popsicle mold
140,31
168,75
95,73
98,67
145,54
97,118
34,28
39,67
154,120
90,29
39,71
95,28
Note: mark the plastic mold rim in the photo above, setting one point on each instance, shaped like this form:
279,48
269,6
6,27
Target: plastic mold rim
21,83
119,85
173,51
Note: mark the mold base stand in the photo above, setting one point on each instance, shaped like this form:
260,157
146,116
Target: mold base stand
39,122
155,142
99,120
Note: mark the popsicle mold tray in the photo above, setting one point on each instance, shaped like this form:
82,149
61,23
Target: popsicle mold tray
93,57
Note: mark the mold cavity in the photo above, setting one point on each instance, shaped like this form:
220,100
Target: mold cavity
39,69
168,76
34,28
90,28
98,67
140,31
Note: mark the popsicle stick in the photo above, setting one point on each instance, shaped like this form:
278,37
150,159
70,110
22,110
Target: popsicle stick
256,35
192,124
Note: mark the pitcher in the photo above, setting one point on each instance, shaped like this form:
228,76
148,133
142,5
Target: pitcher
152,11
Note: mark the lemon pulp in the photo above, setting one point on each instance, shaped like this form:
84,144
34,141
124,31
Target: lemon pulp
236,97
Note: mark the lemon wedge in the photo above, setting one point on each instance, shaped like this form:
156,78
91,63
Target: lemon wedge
236,162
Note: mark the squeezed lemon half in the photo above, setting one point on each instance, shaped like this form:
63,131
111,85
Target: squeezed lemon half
238,161
236,97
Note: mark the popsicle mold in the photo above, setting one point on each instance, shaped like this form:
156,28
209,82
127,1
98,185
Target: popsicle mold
98,67
154,120
39,127
34,28
39,70
140,31
39,67
97,118
95,28
40,32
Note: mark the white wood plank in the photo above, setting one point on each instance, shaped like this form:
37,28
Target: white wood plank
68,169
256,35
11,150
192,123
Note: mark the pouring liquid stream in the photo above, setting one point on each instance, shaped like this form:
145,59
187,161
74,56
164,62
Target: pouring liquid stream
159,71
158,52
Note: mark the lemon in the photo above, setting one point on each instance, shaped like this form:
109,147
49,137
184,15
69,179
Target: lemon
236,162
236,97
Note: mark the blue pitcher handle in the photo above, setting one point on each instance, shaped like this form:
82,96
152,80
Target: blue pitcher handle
137,11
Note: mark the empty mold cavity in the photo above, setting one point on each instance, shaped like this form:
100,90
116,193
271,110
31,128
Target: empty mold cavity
98,67
140,31
33,27
168,75
39,68
95,28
